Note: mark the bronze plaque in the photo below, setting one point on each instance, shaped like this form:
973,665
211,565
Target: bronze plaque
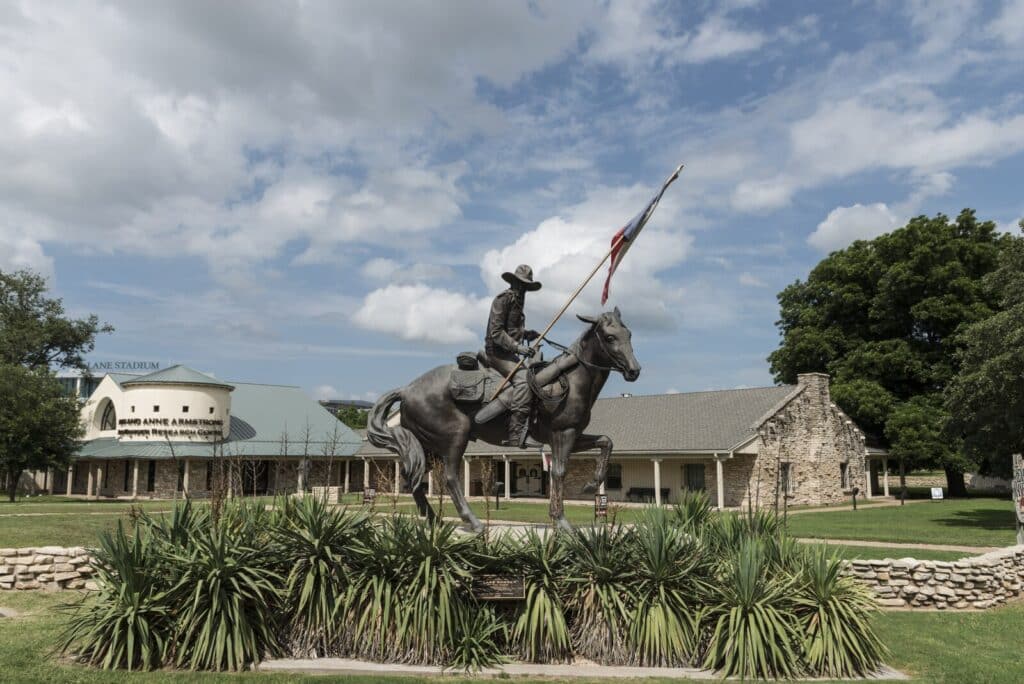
499,587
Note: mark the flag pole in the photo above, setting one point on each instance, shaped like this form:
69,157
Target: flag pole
572,298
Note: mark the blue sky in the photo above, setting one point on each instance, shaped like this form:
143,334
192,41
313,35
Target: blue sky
325,194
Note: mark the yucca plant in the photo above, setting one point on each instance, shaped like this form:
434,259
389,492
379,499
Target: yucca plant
479,637
226,597
312,546
670,581
177,529
126,623
754,631
834,614
693,510
541,633
599,593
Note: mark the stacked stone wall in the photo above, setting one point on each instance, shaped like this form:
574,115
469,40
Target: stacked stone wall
46,567
978,582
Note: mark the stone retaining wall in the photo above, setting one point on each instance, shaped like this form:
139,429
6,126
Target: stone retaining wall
977,582
46,567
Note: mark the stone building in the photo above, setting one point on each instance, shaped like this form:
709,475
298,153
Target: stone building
177,430
756,446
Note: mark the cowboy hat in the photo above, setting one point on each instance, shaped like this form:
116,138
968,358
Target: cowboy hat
522,274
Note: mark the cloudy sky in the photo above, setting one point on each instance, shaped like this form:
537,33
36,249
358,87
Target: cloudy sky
325,193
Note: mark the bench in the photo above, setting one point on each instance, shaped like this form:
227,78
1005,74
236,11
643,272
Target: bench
645,494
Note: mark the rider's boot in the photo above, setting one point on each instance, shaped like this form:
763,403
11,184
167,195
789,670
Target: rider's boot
518,427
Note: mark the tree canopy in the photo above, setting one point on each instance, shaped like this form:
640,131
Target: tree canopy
39,425
986,398
881,317
351,416
34,330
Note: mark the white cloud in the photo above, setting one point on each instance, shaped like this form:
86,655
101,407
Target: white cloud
19,252
718,38
750,280
391,271
1009,25
325,392
844,225
419,312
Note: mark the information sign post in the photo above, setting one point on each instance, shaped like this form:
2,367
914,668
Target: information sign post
1018,495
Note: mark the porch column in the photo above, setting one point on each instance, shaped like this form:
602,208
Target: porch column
720,481
885,477
508,478
88,482
99,480
465,477
135,479
366,474
657,480
348,468
184,478
300,478
867,478
430,483
71,479
398,476
47,481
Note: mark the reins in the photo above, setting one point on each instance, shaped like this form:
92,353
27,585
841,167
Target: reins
574,350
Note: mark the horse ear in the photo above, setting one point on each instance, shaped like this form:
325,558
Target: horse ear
587,319
617,314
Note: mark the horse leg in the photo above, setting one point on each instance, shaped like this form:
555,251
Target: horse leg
602,442
562,442
419,495
452,466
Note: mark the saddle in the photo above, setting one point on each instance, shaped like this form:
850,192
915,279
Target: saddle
474,382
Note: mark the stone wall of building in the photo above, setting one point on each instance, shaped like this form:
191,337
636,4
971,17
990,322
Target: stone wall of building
816,439
978,582
46,567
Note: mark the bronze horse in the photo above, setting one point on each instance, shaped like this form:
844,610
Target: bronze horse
433,423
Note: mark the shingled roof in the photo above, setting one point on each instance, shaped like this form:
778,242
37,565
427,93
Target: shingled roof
691,422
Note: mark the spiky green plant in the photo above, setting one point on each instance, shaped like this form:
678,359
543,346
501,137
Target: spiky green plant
479,636
754,631
669,583
313,545
598,592
126,622
541,633
692,510
834,614
226,597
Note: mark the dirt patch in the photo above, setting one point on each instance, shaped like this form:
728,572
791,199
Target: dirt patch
7,612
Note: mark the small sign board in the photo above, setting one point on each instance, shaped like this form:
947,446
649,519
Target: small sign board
937,493
494,587
601,506
369,494
1018,499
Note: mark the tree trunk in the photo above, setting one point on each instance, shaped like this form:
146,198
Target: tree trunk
12,484
955,483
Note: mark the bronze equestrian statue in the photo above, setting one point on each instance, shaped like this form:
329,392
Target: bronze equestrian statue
443,409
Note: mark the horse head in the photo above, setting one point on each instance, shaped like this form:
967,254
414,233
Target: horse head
614,343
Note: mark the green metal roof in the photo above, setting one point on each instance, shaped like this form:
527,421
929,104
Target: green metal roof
266,421
175,375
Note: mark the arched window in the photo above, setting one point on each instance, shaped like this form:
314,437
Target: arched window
109,419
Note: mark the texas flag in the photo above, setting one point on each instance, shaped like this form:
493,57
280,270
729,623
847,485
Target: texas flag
622,240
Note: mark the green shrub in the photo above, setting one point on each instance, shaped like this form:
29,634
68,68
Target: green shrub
834,614
127,622
541,633
754,634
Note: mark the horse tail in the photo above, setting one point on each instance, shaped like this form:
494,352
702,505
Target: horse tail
397,439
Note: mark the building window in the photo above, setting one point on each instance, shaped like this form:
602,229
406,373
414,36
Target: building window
181,476
109,419
184,409
209,475
614,478
844,475
127,463
156,408
785,481
211,410
693,476
106,473
151,477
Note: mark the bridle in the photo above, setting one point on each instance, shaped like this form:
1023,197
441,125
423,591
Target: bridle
574,350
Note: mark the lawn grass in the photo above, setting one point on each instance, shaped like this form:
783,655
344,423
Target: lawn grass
942,647
852,552
967,522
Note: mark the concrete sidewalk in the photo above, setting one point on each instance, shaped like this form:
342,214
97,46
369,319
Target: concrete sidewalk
345,666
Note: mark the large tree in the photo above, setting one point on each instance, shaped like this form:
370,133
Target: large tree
34,330
39,425
881,317
986,398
